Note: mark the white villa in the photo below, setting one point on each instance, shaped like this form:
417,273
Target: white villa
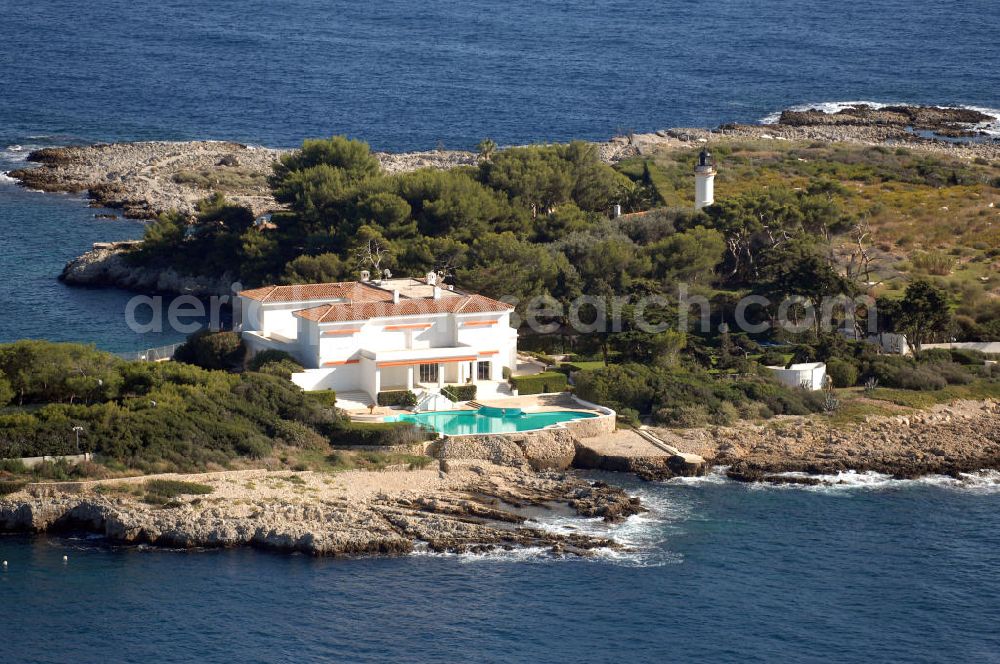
364,337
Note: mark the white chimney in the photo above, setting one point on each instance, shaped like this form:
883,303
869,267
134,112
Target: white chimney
616,211
432,278
395,296
365,275
437,293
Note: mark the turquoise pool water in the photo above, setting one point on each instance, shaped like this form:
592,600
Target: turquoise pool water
460,422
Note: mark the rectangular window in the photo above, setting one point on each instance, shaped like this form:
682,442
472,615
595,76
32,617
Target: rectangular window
483,370
428,373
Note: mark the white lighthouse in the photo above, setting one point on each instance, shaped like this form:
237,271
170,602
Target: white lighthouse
704,181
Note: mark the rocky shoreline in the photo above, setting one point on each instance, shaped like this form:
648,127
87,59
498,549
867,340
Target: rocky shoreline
148,178
963,437
144,179
473,507
106,266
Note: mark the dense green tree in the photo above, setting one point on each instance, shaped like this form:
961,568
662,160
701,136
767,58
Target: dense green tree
922,313
687,257
6,391
316,269
212,350
352,159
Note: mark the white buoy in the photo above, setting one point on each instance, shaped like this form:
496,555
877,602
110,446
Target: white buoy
65,559
5,564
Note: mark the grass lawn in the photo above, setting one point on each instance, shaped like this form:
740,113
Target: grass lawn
585,366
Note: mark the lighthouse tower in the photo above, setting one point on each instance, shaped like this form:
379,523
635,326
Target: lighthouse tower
704,181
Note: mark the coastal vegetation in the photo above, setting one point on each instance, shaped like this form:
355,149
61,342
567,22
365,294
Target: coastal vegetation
160,416
813,220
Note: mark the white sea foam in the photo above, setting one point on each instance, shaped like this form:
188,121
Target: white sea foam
986,481
16,154
642,536
717,475
990,127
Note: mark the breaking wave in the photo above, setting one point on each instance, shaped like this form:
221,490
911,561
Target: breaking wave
985,481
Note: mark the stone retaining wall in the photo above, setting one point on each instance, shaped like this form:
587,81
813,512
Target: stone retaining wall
546,449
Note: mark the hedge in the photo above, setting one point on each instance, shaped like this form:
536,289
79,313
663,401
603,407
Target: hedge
460,392
324,397
397,398
379,434
548,381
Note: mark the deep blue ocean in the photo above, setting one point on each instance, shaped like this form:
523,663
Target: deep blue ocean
867,571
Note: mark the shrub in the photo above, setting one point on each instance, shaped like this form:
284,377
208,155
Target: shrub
212,350
953,374
628,416
934,355
967,357
904,375
297,434
173,488
543,383
541,357
8,487
724,414
380,434
773,358
403,398
461,392
265,357
324,397
933,262
282,368
842,372
685,417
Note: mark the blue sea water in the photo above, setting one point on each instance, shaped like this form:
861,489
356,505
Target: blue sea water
721,572
866,571
407,76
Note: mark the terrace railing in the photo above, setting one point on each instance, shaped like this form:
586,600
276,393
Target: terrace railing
158,354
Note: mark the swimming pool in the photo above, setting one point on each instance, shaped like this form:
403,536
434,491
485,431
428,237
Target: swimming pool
492,420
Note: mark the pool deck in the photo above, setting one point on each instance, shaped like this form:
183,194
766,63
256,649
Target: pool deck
530,403
535,402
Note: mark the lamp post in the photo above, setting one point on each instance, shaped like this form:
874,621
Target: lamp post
77,430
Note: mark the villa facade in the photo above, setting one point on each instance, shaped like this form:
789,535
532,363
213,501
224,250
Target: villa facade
391,334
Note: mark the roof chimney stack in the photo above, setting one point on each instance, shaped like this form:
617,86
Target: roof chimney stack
395,296
437,293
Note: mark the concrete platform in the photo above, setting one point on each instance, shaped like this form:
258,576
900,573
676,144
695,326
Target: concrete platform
628,450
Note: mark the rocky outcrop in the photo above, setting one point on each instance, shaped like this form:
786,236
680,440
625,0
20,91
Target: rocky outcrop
931,118
648,467
919,128
107,265
549,449
473,507
958,438
145,179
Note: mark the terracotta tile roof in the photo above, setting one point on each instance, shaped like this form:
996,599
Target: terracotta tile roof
347,290
338,313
